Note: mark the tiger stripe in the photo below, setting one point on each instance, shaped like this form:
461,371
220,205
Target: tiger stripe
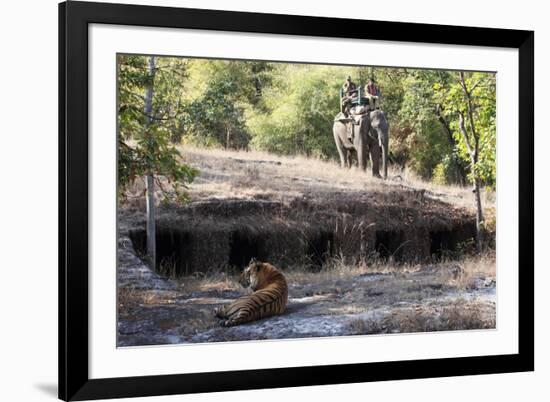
269,298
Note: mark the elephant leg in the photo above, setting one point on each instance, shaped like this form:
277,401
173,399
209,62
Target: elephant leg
352,158
380,130
375,158
343,158
362,155
342,152
370,155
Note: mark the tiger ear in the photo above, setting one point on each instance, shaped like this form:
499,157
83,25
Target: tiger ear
252,260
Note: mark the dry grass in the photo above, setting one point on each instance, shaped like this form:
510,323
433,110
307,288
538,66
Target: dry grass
339,278
260,175
256,174
215,281
129,298
474,268
459,273
457,316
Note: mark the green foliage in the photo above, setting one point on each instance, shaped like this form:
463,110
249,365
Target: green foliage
481,129
439,175
216,115
221,92
289,109
431,142
145,142
443,172
301,105
428,148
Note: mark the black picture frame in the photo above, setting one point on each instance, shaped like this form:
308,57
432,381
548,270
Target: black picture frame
74,381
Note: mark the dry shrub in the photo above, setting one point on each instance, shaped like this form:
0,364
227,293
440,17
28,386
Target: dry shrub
129,298
459,316
168,267
475,268
214,281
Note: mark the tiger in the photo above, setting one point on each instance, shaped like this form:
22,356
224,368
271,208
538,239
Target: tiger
269,298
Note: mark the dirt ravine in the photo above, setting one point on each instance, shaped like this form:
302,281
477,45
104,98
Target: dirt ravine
360,254
281,212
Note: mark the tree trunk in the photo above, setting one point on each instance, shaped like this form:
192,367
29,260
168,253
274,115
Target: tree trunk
151,226
480,228
227,137
150,180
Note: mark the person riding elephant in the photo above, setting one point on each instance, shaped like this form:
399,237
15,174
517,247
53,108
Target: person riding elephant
373,94
371,88
369,136
349,91
349,87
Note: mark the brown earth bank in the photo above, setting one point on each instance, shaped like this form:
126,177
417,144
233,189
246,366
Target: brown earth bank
215,234
362,255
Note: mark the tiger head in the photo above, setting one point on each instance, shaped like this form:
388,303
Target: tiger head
257,275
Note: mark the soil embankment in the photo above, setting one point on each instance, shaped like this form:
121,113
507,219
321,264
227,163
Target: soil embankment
279,211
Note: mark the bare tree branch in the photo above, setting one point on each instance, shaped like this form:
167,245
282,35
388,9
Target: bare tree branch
465,134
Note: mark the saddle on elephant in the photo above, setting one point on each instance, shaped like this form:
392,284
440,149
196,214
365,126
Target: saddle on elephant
361,129
356,98
355,101
352,117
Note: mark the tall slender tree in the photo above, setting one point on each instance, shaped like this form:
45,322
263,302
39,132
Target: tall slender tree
150,183
471,139
150,116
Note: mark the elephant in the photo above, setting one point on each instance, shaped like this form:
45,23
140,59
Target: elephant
370,135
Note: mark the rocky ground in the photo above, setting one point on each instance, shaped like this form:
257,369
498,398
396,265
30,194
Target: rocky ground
337,301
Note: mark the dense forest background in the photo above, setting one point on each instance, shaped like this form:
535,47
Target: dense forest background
442,123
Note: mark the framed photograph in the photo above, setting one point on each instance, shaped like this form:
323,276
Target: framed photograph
258,201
